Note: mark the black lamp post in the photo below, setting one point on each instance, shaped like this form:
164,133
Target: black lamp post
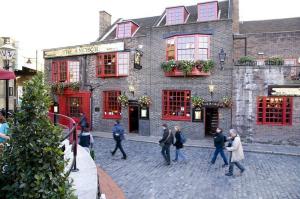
222,58
56,111
7,53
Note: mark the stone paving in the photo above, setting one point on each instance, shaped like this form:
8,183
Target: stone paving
145,176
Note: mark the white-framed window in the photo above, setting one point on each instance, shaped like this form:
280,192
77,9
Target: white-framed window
123,63
74,71
260,62
290,62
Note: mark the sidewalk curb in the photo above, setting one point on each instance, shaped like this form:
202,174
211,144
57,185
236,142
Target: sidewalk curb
207,147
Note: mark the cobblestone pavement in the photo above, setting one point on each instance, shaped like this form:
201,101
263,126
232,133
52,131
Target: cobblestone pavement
145,176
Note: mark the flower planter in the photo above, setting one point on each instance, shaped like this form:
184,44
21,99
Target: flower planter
179,73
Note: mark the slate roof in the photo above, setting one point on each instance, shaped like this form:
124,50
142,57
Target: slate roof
146,23
273,25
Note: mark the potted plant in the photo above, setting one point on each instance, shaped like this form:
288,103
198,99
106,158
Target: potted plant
123,100
208,66
197,101
276,61
144,101
226,101
168,66
186,67
246,60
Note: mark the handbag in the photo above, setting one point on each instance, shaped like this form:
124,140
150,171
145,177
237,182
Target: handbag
162,144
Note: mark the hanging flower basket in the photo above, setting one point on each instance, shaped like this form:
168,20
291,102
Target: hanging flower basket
123,100
197,101
144,101
227,102
59,88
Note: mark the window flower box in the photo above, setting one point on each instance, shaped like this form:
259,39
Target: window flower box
187,68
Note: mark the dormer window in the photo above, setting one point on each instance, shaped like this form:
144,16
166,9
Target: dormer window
126,29
208,11
177,15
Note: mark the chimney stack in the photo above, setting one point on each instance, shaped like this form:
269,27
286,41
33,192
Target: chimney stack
235,15
104,22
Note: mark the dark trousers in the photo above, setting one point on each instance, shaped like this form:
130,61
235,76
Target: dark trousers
119,146
165,151
217,151
236,164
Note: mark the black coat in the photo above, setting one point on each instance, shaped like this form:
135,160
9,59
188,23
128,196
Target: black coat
219,140
178,144
168,140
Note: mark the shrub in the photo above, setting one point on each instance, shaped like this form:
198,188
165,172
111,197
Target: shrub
33,161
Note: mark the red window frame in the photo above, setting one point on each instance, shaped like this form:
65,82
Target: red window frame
274,110
74,106
116,62
176,15
198,46
208,11
176,105
61,71
126,29
111,106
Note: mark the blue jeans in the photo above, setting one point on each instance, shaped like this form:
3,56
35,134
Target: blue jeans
217,151
178,154
165,151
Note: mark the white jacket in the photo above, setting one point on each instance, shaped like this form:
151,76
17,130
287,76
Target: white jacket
237,150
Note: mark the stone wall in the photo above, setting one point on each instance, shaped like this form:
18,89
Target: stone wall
251,82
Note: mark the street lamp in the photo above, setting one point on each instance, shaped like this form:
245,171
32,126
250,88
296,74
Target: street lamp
7,52
211,89
222,58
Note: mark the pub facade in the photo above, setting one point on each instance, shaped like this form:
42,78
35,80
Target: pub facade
178,68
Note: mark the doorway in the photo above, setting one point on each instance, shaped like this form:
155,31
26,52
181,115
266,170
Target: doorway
211,120
133,117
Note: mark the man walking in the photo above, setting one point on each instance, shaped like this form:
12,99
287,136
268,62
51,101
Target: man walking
237,153
83,122
165,143
118,134
219,142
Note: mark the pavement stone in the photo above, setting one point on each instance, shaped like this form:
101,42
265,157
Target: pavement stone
145,176
208,143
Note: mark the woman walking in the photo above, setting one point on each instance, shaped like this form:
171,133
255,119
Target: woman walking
178,144
237,153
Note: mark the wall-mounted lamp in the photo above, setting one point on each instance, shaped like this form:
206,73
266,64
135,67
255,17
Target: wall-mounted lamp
222,58
56,111
131,89
211,89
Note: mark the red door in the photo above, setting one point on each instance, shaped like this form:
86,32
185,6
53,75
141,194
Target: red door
72,103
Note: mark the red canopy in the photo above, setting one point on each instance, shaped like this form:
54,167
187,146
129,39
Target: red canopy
5,74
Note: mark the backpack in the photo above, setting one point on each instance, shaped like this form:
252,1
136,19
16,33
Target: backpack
182,138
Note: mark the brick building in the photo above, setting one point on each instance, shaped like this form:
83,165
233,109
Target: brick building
267,95
167,58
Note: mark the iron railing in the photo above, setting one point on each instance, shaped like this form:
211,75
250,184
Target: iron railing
70,128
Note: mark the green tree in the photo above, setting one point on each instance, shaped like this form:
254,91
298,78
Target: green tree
33,162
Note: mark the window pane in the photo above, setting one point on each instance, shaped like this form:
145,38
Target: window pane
74,71
111,105
176,104
175,16
207,11
75,106
186,48
123,63
124,30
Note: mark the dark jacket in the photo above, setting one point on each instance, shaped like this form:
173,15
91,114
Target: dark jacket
168,140
118,132
219,140
178,144
83,122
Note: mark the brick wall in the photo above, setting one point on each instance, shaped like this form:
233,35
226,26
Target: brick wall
283,44
151,80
